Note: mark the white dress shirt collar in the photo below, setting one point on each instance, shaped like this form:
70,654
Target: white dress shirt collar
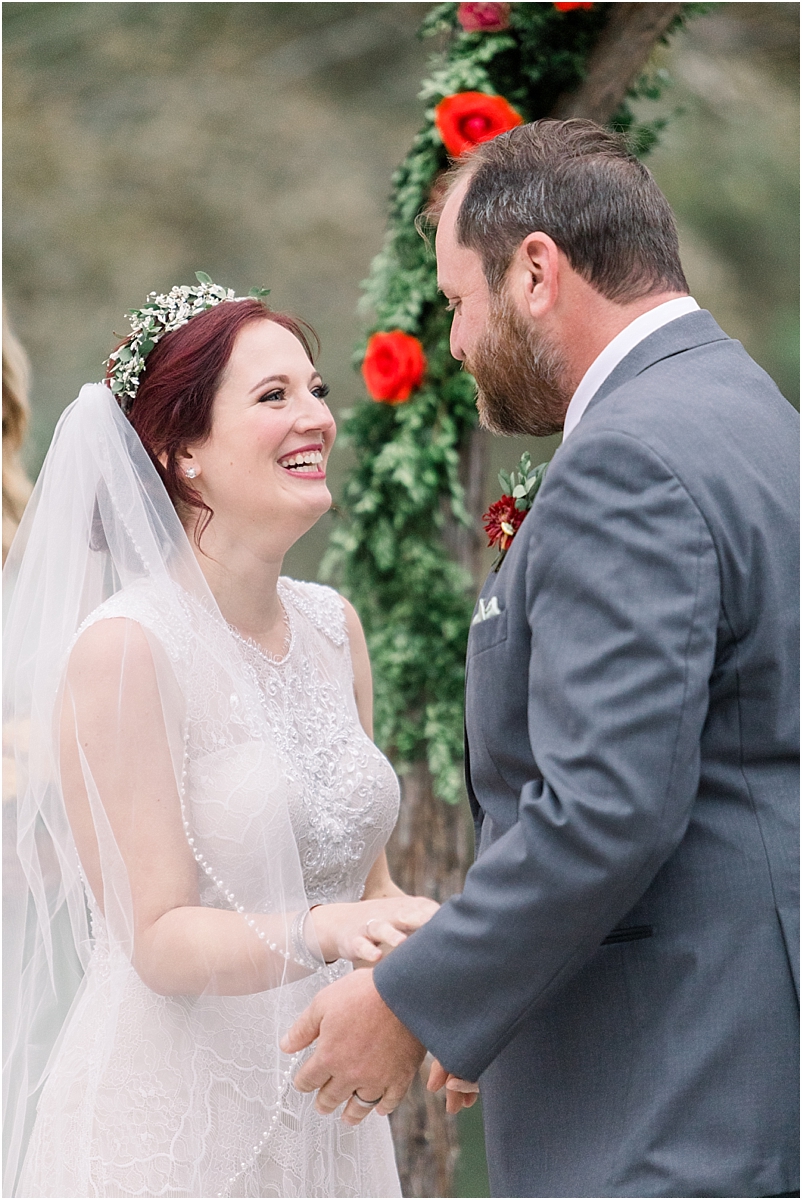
612,354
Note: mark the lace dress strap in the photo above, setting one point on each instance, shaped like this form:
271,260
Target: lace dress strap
152,610
320,604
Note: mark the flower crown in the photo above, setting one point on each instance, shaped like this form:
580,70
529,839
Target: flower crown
162,314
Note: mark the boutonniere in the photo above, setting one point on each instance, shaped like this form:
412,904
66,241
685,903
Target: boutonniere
504,518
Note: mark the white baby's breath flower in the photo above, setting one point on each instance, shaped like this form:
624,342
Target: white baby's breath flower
162,314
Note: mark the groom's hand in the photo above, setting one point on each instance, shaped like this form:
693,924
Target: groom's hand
460,1093
361,1047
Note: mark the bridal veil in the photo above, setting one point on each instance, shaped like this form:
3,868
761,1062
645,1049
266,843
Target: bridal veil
83,1036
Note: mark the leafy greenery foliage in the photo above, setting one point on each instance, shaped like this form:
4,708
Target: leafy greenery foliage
523,484
388,554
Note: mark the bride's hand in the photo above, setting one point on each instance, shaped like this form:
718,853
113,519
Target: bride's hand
460,1093
366,931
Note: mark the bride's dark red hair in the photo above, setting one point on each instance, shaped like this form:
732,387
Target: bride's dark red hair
172,408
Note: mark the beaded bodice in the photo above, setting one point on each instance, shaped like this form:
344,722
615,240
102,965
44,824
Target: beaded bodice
294,735
343,794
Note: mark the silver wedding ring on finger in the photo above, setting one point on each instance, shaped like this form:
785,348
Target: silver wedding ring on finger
364,1103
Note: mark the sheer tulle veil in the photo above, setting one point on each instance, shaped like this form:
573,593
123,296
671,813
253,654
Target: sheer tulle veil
101,539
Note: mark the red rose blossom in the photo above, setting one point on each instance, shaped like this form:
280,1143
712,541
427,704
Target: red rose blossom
394,366
568,7
502,521
468,118
483,18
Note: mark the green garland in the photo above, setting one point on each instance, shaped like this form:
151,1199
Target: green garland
387,554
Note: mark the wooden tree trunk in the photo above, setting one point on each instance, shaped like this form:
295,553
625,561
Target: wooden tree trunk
466,544
429,850
619,57
429,854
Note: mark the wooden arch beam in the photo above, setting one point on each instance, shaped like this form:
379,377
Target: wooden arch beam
618,58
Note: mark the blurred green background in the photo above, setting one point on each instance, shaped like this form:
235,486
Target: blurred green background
256,141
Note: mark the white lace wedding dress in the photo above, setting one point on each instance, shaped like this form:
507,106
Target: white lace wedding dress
152,1095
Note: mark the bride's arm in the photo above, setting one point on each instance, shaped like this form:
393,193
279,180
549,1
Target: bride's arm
360,661
119,781
379,882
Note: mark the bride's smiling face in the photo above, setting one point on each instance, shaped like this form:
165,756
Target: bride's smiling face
262,470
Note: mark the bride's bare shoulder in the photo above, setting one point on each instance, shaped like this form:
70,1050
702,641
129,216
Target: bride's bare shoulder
105,644
124,625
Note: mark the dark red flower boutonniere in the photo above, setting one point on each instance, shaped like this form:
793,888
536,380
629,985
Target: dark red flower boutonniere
504,518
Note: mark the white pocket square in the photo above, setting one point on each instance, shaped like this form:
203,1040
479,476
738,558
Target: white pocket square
486,610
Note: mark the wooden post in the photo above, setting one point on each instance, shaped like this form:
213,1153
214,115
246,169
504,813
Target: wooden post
466,544
428,855
618,58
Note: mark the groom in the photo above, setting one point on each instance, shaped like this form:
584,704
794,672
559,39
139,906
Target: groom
618,970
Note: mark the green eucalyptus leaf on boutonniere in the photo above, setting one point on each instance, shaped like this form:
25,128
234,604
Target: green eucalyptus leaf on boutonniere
504,518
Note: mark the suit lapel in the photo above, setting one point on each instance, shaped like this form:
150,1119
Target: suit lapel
685,333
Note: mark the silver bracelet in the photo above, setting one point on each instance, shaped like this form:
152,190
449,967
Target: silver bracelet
300,948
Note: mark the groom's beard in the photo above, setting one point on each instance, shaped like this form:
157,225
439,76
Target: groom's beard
519,376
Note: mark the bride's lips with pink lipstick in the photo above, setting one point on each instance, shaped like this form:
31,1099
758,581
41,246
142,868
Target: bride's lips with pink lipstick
306,462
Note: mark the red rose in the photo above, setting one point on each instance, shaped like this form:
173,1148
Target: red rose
502,521
394,366
483,18
468,118
568,7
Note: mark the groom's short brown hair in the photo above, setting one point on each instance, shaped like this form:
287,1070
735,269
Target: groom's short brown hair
580,184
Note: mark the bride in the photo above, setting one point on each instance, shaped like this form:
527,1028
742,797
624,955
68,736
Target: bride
200,813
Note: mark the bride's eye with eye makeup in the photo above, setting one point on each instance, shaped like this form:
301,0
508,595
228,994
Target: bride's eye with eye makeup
321,390
275,396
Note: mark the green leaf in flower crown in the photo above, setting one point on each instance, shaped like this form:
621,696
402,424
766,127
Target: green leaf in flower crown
146,347
259,293
202,277
122,355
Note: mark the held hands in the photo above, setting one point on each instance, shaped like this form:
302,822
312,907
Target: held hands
366,931
370,1063
361,1047
460,1093
363,1051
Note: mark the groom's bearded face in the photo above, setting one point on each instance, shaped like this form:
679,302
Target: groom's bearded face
519,375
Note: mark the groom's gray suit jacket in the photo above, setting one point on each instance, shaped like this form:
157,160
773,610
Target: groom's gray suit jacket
618,969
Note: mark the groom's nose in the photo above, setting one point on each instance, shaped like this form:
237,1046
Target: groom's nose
455,342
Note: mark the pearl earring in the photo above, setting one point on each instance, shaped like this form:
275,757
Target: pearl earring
191,473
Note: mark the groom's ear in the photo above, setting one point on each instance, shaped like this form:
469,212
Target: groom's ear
536,273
